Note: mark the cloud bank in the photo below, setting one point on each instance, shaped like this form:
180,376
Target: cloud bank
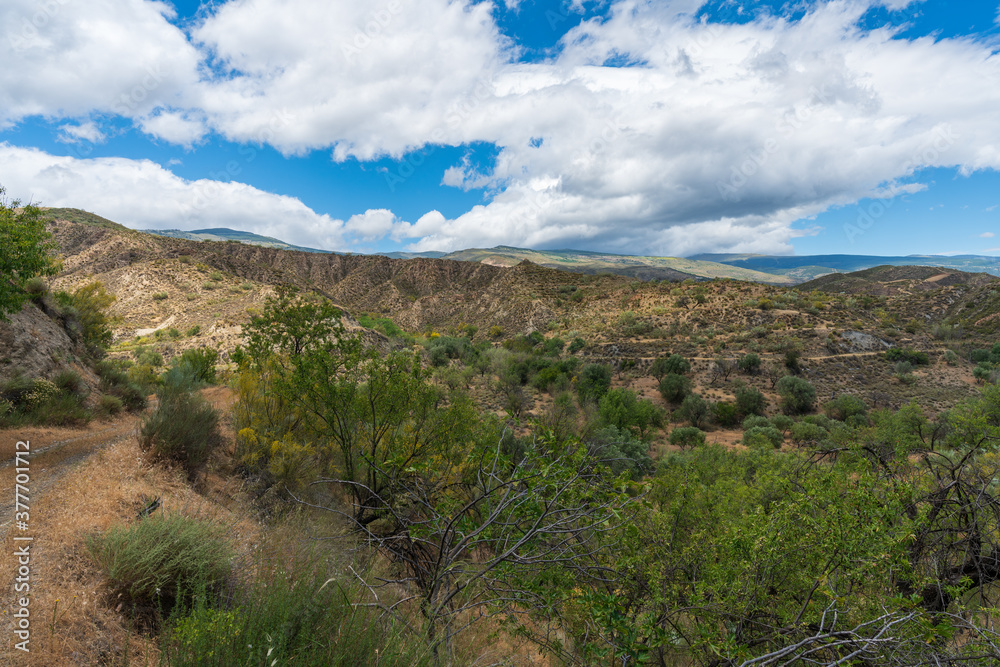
648,131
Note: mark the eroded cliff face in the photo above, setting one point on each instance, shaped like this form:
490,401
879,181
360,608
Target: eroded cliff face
38,346
418,293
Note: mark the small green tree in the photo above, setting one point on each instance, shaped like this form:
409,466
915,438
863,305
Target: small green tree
674,388
25,248
687,437
622,409
694,409
675,363
797,395
594,382
749,363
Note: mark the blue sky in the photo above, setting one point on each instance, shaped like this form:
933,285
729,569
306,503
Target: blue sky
667,127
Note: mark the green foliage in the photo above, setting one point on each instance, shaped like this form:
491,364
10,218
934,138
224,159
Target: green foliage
593,382
675,364
845,406
726,414
622,409
198,363
793,355
290,613
804,433
183,429
161,560
115,381
687,437
905,354
382,324
576,345
694,409
674,388
42,402
749,363
88,306
797,395
621,451
749,401
763,437
110,405
160,296
25,248
753,421
371,420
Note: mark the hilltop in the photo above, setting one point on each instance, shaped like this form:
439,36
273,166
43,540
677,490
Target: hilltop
181,293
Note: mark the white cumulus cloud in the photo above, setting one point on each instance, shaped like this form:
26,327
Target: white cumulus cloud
713,137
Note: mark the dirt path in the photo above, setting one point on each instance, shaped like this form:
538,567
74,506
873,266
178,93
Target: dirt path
53,453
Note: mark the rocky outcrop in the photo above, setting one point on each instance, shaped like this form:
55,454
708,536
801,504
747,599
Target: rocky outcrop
38,346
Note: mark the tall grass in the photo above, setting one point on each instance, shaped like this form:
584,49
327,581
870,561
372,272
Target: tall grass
161,561
184,428
290,613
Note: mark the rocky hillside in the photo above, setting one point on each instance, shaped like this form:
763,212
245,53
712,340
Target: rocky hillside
167,283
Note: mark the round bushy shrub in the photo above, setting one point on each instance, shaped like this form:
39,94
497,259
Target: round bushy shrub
674,388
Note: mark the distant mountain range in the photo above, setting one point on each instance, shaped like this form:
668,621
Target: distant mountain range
773,269
802,268
225,234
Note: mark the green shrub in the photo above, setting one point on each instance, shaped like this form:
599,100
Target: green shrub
193,331
59,409
110,405
749,401
86,308
763,437
621,451
622,409
36,289
160,296
70,382
160,560
576,345
184,429
215,275
16,390
694,409
593,382
784,423
754,421
115,381
674,388
291,613
749,363
687,437
792,359
198,363
844,406
797,395
725,414
675,363
148,356
904,354
804,433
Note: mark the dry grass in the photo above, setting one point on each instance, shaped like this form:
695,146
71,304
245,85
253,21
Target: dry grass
72,621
